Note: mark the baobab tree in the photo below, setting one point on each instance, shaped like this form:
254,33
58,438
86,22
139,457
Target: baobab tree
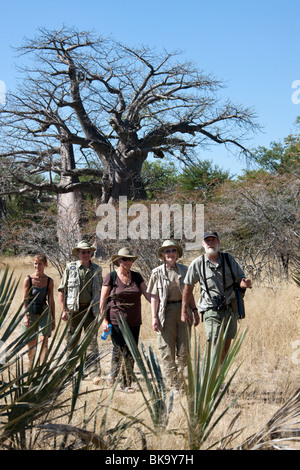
89,111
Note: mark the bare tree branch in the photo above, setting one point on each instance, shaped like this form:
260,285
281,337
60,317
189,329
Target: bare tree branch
117,104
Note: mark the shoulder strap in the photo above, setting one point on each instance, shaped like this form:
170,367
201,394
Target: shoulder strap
113,277
48,282
223,270
235,282
204,276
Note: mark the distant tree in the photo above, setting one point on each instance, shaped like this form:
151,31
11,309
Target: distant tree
159,178
258,217
2,208
86,98
280,157
202,176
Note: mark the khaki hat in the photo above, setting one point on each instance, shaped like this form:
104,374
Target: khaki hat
123,253
168,244
83,245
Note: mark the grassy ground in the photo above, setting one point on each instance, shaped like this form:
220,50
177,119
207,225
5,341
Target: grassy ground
269,365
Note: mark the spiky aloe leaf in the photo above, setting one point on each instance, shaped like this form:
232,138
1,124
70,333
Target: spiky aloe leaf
296,278
27,396
206,387
156,402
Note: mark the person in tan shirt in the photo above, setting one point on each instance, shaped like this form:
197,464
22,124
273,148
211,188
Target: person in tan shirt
166,286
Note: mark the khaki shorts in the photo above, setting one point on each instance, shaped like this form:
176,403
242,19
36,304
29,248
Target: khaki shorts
213,321
42,324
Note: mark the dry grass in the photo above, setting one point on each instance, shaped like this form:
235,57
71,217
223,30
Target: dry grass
269,365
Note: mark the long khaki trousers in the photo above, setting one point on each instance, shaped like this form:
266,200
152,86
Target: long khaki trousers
172,345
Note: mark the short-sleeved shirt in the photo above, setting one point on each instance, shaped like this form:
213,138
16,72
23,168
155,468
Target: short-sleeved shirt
174,291
214,279
167,285
127,298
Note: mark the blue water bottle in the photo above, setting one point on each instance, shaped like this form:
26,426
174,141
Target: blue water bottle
105,334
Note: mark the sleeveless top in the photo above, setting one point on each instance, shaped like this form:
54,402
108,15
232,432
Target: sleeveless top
40,302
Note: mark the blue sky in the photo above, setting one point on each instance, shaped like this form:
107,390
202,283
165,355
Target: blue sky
252,46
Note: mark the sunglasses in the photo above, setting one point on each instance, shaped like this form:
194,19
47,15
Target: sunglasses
171,250
126,259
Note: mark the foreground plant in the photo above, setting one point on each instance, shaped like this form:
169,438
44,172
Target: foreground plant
157,402
296,278
282,428
206,386
34,395
34,403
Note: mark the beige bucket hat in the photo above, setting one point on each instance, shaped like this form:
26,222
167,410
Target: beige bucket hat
169,244
83,245
123,253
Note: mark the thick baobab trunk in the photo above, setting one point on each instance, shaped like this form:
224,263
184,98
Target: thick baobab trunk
69,205
68,221
126,178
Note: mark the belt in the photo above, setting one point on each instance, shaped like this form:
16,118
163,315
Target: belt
174,301
82,306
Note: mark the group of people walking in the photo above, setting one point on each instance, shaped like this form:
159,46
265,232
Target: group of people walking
84,295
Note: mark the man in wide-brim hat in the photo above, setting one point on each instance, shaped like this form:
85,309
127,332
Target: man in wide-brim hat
83,245
79,297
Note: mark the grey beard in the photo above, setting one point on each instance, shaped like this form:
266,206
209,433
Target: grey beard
211,251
